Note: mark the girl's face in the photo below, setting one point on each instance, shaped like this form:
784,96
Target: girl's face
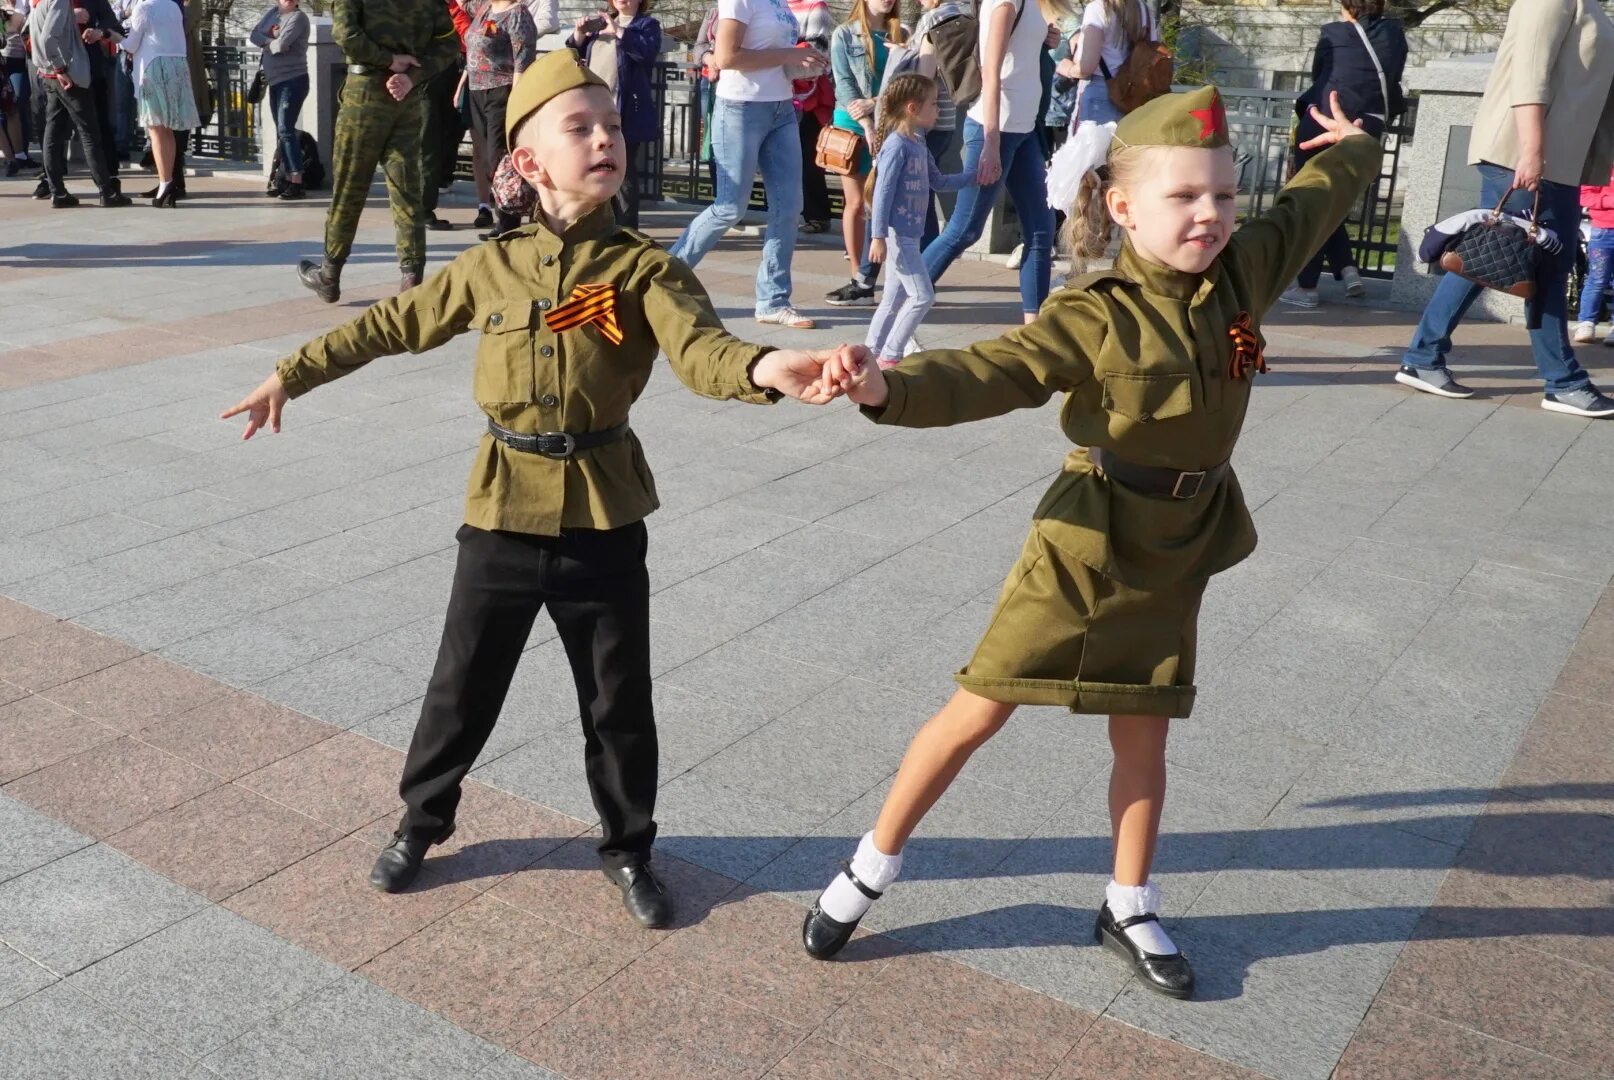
879,9
924,112
1179,210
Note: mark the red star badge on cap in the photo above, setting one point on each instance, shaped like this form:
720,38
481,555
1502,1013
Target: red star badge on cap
1212,118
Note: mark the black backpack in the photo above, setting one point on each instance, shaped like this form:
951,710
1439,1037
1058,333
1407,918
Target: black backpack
313,168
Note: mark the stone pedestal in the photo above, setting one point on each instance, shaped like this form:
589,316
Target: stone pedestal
1439,181
327,70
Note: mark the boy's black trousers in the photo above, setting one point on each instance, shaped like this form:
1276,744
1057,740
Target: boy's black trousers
597,590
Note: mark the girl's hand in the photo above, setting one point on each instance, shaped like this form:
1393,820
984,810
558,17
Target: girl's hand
991,165
796,373
853,372
1068,69
861,109
877,250
263,406
1336,128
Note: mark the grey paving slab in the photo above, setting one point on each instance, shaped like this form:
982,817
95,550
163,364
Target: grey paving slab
72,912
74,590
741,593
211,601
515,1067
246,654
778,685
59,1034
20,976
344,689
342,1031
547,769
206,980
32,838
733,831
265,532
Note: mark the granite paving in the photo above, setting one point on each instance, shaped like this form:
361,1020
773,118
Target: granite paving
1390,837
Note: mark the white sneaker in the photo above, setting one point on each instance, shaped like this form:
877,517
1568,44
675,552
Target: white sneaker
1584,333
1016,257
1353,283
787,316
1300,298
912,347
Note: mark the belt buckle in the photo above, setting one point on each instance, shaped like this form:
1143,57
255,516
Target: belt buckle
1198,478
567,440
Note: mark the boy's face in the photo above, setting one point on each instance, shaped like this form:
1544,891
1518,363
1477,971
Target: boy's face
573,146
1180,211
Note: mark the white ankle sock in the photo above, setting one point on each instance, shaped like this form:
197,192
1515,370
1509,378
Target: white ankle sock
1127,901
845,902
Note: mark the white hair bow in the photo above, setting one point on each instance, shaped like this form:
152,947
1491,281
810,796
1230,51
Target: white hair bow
1083,152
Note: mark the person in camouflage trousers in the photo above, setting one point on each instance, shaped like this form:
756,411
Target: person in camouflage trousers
393,48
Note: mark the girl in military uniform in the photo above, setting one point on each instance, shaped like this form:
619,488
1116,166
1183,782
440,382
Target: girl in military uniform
1156,358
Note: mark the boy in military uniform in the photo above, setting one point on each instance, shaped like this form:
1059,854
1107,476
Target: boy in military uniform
392,47
571,311
1156,358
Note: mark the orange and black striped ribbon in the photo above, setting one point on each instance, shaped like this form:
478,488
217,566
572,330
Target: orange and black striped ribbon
588,304
1247,354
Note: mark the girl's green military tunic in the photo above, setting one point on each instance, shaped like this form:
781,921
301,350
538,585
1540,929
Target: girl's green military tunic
1100,612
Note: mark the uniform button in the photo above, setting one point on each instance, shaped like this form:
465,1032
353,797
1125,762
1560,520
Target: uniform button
549,401
549,260
495,319
546,350
543,305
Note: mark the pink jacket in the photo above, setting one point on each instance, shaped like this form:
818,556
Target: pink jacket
1600,201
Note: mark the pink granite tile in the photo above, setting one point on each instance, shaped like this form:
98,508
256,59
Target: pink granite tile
819,1059
940,1018
237,734
347,781
495,971
112,786
18,618
35,733
647,1026
1569,743
137,693
223,841
326,904
1396,1043
1114,1051
60,652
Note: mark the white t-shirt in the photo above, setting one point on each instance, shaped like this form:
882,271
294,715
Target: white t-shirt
1116,45
769,24
1021,87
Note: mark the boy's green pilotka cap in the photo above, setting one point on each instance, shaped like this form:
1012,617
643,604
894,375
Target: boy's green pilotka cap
550,76
1195,119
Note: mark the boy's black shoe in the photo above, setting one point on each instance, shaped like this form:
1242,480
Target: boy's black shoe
321,277
42,189
17,165
643,895
62,202
118,198
293,191
399,862
484,219
1169,975
852,294
439,224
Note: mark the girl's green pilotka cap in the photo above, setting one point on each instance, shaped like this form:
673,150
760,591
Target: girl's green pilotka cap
550,76
1195,119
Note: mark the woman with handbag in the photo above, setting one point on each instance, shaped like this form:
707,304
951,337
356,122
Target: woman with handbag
1109,27
858,52
1361,59
157,42
754,127
1534,146
621,47
282,34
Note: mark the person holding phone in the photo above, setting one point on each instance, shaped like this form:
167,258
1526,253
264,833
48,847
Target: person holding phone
620,45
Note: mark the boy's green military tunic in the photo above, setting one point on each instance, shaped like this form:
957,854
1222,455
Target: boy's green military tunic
531,378
1100,612
372,128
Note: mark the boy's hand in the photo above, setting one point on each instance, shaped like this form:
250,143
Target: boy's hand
853,372
263,405
796,373
877,250
1336,128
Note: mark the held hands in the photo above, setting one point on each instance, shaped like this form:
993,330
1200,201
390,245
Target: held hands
796,373
851,370
877,250
1336,128
263,407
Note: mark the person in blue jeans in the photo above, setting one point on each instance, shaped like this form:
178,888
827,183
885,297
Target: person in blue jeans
1002,148
282,34
1568,387
905,174
1598,202
754,125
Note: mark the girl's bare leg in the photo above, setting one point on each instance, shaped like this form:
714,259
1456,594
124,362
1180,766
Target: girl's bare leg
852,216
935,756
1137,793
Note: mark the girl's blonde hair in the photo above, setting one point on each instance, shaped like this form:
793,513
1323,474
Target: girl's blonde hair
894,32
1089,227
909,88
1128,14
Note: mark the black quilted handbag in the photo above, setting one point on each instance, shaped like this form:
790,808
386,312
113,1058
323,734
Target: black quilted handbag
1497,253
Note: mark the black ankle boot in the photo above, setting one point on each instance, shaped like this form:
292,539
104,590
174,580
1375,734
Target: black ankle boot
292,191
323,278
1169,975
399,862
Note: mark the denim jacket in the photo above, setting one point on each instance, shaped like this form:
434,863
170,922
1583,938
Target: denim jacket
849,62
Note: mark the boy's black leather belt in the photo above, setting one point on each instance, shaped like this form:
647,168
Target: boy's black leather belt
367,69
556,444
1153,479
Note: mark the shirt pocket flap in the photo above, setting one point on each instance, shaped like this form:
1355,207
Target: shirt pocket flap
504,318
1149,397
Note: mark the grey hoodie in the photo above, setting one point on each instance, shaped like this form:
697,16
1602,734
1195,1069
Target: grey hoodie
55,43
285,54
